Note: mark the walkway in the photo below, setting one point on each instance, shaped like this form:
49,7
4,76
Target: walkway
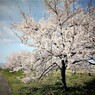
4,87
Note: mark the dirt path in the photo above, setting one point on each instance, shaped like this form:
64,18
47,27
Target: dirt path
4,87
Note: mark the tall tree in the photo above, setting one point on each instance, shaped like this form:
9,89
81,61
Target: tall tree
64,38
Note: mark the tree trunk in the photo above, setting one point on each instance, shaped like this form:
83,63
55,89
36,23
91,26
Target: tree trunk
89,74
63,75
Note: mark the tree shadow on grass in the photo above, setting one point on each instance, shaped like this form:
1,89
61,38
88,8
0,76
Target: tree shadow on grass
87,89
57,89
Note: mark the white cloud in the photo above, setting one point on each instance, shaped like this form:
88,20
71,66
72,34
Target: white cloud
6,35
5,40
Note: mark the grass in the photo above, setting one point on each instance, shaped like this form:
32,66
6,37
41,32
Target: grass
78,84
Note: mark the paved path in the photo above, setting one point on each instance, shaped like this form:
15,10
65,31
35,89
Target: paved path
4,87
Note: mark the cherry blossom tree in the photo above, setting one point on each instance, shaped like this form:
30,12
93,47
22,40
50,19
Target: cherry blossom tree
22,60
18,61
66,37
86,54
28,62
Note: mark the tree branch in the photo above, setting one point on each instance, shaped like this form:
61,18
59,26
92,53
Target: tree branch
83,60
45,71
70,16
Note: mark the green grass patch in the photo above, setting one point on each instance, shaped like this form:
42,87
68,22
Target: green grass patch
51,85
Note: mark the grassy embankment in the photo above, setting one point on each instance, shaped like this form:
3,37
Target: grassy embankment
78,84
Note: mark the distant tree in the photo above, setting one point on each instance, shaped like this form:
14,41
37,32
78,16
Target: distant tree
24,61
66,37
18,61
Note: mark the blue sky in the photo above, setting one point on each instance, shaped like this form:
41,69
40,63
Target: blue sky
9,43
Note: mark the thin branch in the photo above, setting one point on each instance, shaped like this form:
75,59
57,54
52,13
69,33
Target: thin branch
77,61
22,13
16,34
47,70
51,7
70,16
58,66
